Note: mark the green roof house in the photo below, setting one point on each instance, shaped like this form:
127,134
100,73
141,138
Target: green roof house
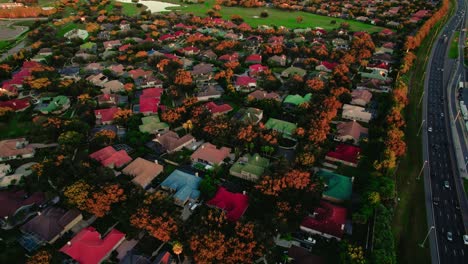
88,46
338,188
296,99
249,167
291,71
286,128
152,125
53,105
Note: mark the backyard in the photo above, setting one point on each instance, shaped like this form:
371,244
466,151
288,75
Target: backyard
128,9
275,17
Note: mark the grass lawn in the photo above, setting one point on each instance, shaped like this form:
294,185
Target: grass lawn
128,9
67,27
276,17
409,223
4,44
453,52
16,127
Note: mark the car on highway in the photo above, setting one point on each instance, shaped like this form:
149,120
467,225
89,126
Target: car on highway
429,129
441,114
465,239
436,200
449,236
446,184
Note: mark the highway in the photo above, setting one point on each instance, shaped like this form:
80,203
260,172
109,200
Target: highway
440,145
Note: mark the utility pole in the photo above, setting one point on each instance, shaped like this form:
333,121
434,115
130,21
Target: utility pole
422,123
428,232
420,172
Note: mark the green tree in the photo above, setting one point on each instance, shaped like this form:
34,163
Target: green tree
70,140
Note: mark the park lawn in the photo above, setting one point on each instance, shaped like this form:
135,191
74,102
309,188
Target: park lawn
128,9
276,17
453,52
4,44
67,27
410,222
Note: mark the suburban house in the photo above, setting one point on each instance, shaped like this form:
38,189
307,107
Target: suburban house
53,105
257,69
338,188
149,101
351,131
208,92
12,86
234,204
361,97
17,148
109,157
253,59
114,86
208,154
143,171
49,225
356,113
184,186
108,100
327,221
339,43
111,44
153,125
245,83
171,141
17,105
217,110
249,115
17,206
291,71
77,33
105,116
249,167
344,154
294,100
379,74
277,60
326,66
98,79
202,72
283,127
263,95
89,247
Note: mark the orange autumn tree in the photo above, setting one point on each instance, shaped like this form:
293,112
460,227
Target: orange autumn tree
183,78
153,217
294,179
99,203
41,257
315,84
122,115
77,193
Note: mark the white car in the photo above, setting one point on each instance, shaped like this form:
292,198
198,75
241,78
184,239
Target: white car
429,129
465,239
449,236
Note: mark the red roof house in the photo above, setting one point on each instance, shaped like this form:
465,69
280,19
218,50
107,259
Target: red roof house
17,105
345,154
255,69
105,116
234,204
149,100
328,221
109,157
229,57
245,83
11,86
326,66
189,50
387,32
87,247
124,47
254,58
218,109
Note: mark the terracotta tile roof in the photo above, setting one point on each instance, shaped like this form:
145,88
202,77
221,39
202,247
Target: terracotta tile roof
107,115
14,147
245,80
235,204
218,109
109,157
345,153
171,141
254,58
351,128
16,104
87,247
328,219
208,152
260,95
144,171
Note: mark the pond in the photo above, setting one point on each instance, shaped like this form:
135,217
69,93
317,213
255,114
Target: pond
153,6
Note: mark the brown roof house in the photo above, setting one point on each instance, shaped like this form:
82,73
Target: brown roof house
208,154
17,206
143,171
263,95
114,86
171,142
350,131
50,224
17,148
361,97
98,79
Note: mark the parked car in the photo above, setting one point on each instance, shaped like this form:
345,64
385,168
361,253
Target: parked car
465,239
436,200
449,236
446,184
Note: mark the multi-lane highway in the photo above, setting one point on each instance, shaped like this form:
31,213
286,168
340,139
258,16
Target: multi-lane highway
445,202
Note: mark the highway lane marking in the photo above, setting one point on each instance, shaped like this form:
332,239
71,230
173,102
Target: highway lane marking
445,248
454,252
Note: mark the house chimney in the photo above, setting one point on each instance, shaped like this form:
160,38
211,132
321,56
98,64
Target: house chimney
69,243
156,161
203,146
196,174
38,213
352,179
244,192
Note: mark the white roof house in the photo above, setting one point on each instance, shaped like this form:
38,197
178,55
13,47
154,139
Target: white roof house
356,113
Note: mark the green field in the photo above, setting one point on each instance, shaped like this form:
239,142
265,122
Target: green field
410,223
276,17
453,52
67,27
128,9
4,44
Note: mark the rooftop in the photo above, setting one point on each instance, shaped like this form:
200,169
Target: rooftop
184,184
143,171
337,187
235,204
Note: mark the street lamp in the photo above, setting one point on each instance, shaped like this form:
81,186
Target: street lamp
422,123
420,172
424,241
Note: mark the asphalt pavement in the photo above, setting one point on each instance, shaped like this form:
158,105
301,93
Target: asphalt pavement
445,201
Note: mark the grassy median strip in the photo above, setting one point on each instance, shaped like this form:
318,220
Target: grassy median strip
453,52
409,223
